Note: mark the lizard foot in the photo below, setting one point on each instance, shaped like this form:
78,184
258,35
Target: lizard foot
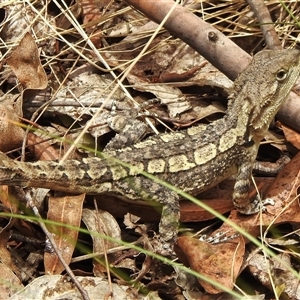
219,237
256,205
163,248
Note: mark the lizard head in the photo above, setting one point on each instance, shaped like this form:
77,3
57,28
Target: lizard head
264,86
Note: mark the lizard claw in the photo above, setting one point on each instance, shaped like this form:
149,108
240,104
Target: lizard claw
256,206
267,201
260,204
218,238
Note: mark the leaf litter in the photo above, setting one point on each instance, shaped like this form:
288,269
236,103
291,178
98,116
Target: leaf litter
51,78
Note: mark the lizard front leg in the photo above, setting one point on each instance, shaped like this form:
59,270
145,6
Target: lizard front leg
241,199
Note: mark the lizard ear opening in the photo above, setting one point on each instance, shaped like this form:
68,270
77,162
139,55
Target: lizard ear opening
281,75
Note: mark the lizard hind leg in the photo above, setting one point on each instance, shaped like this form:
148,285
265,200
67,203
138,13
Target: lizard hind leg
145,189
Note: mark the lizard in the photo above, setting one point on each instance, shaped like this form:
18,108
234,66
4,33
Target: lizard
193,159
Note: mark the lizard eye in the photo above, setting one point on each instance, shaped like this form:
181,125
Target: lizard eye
281,75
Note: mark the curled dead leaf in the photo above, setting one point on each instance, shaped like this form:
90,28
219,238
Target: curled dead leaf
26,64
12,134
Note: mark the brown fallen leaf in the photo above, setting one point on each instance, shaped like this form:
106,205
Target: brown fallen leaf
103,223
9,283
66,210
12,204
220,263
42,150
12,135
191,212
291,135
26,64
283,279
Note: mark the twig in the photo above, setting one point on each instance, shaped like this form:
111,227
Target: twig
31,204
266,24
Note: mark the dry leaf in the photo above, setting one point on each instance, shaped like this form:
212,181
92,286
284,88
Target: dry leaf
12,204
103,223
26,64
217,262
5,255
291,135
283,279
41,149
12,135
9,283
53,287
66,210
